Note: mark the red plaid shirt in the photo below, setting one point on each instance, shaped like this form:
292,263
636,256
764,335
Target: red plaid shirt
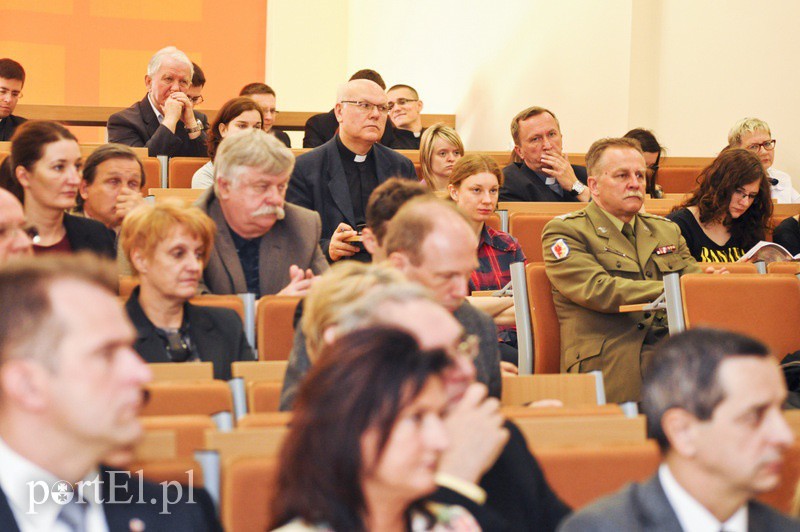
496,252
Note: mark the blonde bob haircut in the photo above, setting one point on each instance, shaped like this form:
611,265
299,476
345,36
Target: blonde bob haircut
472,164
429,136
147,225
336,289
746,125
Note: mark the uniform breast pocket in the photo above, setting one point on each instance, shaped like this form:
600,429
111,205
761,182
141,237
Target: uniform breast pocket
619,265
669,263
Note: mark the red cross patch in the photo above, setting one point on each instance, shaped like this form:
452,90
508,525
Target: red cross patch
560,249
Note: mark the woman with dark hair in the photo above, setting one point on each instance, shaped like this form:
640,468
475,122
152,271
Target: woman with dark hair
47,163
652,156
238,114
729,211
365,440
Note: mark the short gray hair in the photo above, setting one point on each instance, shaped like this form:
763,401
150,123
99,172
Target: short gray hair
746,125
251,149
172,52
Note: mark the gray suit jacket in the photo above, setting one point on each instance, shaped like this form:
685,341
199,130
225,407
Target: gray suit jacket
646,507
138,126
293,240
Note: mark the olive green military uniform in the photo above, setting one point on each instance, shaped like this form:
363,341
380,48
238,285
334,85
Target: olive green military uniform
594,270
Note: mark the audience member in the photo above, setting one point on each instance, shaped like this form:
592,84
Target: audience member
12,78
47,163
543,172
111,186
754,136
264,245
8,181
71,388
652,151
713,403
321,128
595,268
787,234
164,121
365,440
383,204
474,186
405,116
236,115
337,178
168,245
264,96
729,211
195,90
440,148
16,236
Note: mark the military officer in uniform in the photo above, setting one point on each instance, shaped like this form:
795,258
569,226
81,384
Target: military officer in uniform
607,255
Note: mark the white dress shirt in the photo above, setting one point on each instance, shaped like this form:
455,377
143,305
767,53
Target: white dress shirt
16,475
693,516
783,192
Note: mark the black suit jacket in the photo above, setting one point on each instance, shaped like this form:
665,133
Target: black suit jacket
184,515
319,183
91,235
322,127
644,506
8,125
518,496
216,333
138,126
281,136
522,184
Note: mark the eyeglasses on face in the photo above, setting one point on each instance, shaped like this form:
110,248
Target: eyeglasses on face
367,107
740,194
402,101
196,100
768,145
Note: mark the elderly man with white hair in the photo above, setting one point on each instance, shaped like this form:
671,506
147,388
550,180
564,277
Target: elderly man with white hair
337,178
263,244
165,120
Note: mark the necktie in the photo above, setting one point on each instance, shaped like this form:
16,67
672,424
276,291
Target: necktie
73,515
627,230
553,185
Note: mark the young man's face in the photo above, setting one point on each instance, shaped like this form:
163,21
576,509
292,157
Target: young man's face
10,92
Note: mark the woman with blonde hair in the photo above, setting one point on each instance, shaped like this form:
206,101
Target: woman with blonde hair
439,149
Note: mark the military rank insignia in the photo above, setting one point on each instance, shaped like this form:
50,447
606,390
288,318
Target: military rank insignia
665,250
560,249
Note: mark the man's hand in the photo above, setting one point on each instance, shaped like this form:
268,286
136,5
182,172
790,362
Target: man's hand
721,269
173,109
338,248
477,435
300,284
508,369
557,165
127,200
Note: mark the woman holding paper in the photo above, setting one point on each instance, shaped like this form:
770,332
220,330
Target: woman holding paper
729,211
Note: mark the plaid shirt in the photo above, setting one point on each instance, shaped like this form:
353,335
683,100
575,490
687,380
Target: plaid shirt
496,252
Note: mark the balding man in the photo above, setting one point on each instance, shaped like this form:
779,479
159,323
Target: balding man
15,235
337,178
165,120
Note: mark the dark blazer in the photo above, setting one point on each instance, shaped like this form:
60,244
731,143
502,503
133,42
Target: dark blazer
518,496
8,125
216,333
522,184
322,127
293,240
644,506
319,183
138,126
281,136
184,515
90,235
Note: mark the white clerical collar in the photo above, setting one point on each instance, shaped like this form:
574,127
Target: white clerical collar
360,158
417,134
693,516
155,109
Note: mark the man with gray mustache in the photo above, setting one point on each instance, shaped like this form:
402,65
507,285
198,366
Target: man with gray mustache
607,255
263,245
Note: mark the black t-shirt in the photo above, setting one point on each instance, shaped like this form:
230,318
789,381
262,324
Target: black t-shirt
702,248
787,234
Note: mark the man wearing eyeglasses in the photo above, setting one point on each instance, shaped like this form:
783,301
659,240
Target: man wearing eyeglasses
265,97
405,115
337,178
15,236
165,120
754,135
195,92
12,78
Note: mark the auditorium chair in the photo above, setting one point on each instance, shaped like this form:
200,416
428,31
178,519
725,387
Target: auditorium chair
527,229
189,431
784,267
546,331
181,170
678,179
265,420
248,486
762,306
275,326
229,301
186,195
182,371
152,174
572,389
581,430
187,398
126,285
733,267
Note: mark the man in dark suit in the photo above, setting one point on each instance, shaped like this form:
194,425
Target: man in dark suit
337,178
266,98
165,120
263,245
543,172
713,403
12,78
71,401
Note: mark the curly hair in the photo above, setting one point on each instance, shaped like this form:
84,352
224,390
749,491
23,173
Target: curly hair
732,169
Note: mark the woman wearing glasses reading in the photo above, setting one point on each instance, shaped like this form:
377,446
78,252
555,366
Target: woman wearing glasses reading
729,211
